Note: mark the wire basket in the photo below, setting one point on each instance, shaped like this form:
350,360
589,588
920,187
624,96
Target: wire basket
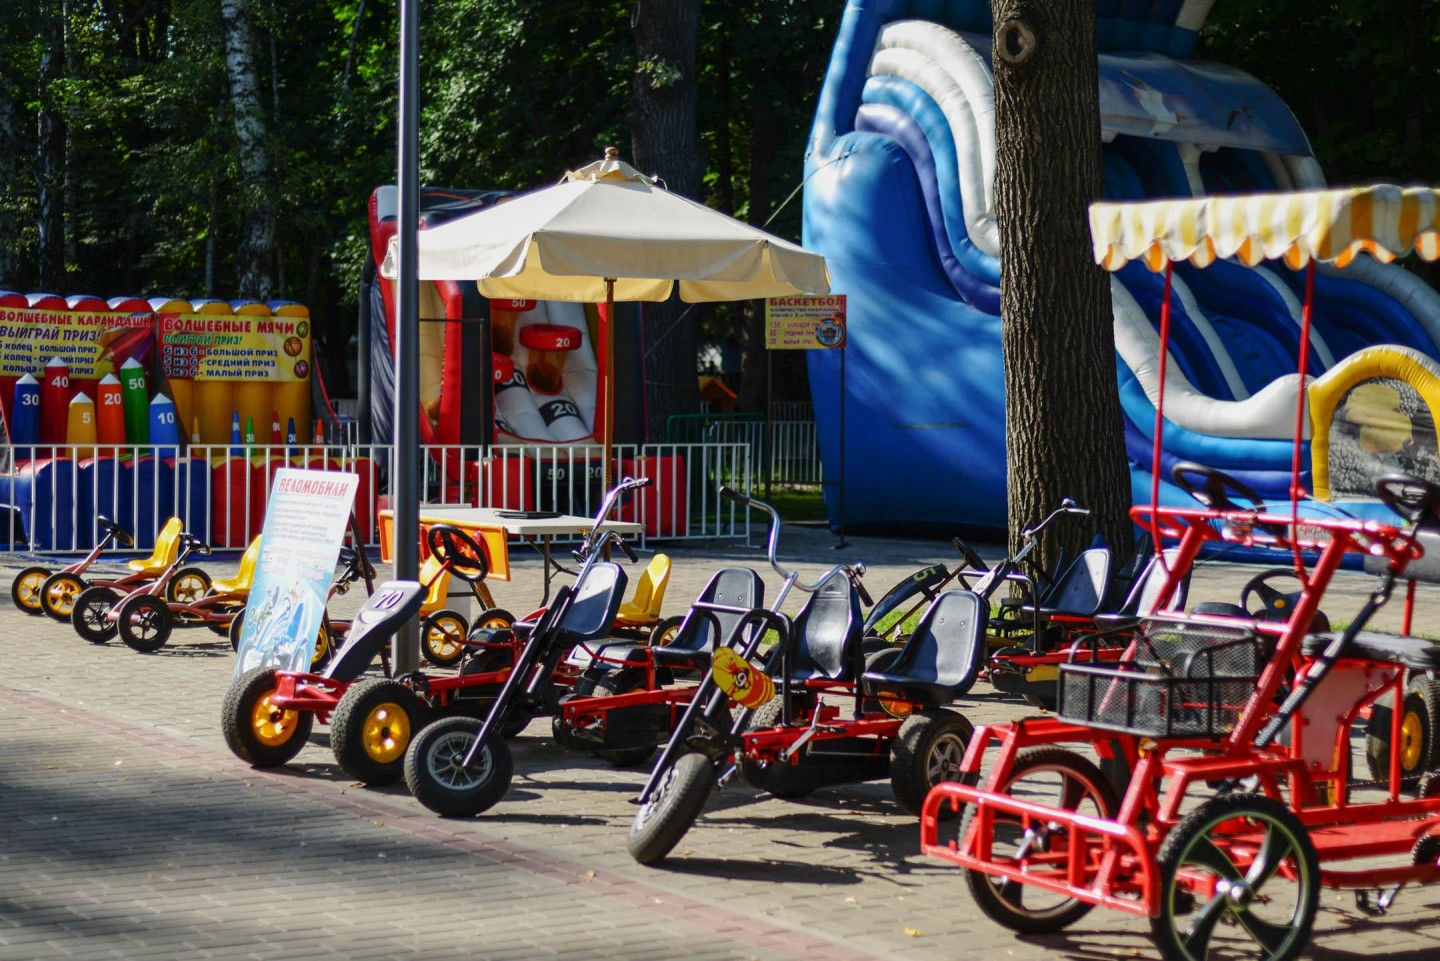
1183,680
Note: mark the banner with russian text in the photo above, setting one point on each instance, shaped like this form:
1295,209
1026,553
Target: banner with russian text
238,347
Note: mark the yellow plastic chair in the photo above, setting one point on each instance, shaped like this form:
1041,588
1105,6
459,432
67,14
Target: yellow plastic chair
643,609
244,577
167,545
439,591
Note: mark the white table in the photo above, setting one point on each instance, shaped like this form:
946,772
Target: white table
537,528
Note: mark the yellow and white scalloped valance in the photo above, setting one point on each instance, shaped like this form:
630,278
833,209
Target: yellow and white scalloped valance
1329,225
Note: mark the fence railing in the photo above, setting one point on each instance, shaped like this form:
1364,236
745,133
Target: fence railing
50,499
794,454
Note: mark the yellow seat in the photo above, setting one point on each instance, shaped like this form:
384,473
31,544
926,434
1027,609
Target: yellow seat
244,577
438,592
167,545
644,607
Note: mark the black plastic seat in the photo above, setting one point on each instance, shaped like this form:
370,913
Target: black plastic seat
731,587
597,600
1415,653
826,638
1145,591
392,604
943,656
1081,589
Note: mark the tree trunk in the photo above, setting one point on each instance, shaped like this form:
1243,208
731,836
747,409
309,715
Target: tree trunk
1064,433
255,256
10,138
666,143
50,150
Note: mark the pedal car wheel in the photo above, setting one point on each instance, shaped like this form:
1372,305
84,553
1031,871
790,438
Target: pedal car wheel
785,781
488,661
1429,690
1056,778
228,611
672,809
58,594
663,634
237,626
372,726
25,590
88,617
622,682
1267,903
255,729
188,585
927,751
144,623
324,647
437,777
493,619
442,638
1417,736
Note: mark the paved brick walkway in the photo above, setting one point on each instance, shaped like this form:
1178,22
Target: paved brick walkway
127,830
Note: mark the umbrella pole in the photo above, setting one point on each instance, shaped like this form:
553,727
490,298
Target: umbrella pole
607,429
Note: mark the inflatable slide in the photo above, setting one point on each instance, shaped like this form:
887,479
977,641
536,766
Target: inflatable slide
900,198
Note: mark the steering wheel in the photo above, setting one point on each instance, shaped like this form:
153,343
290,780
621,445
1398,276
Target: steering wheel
971,558
458,549
1408,496
122,536
1275,604
1214,488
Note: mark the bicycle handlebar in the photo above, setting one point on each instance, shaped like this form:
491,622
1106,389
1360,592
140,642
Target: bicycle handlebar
1067,506
772,545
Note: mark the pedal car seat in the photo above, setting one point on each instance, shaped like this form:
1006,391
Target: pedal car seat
244,577
826,638
438,587
644,607
733,587
1145,591
942,658
1081,589
597,598
393,603
167,544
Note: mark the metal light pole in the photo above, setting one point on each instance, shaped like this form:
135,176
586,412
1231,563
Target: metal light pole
405,461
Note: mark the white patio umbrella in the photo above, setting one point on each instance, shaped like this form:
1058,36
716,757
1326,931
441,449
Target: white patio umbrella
609,233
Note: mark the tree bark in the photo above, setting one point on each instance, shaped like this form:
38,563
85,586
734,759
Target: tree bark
50,150
1064,435
255,256
666,143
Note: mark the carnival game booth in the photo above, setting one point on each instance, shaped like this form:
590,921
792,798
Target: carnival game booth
146,409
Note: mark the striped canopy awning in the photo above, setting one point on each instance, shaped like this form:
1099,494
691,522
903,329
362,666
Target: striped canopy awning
1328,225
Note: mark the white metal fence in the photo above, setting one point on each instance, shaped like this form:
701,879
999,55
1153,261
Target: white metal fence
50,498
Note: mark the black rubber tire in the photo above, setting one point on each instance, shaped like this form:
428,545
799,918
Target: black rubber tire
222,627
1429,690
1186,837
88,617
25,589
434,777
874,644
58,594
673,808
372,726
609,684
188,585
790,785
237,626
144,623
493,619
442,638
264,737
1097,787
1418,724
663,634
927,751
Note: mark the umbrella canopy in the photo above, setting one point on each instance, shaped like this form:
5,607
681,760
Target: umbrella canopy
609,221
609,233
1327,225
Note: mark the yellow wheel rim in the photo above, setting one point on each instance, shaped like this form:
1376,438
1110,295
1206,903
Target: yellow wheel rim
445,637
495,623
1412,739
322,646
189,589
386,733
62,594
29,590
668,636
272,725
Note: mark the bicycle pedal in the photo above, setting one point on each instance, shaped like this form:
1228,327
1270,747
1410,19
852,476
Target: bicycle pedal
1378,908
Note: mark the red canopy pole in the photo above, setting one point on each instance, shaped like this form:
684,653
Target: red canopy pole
1160,411
1300,394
